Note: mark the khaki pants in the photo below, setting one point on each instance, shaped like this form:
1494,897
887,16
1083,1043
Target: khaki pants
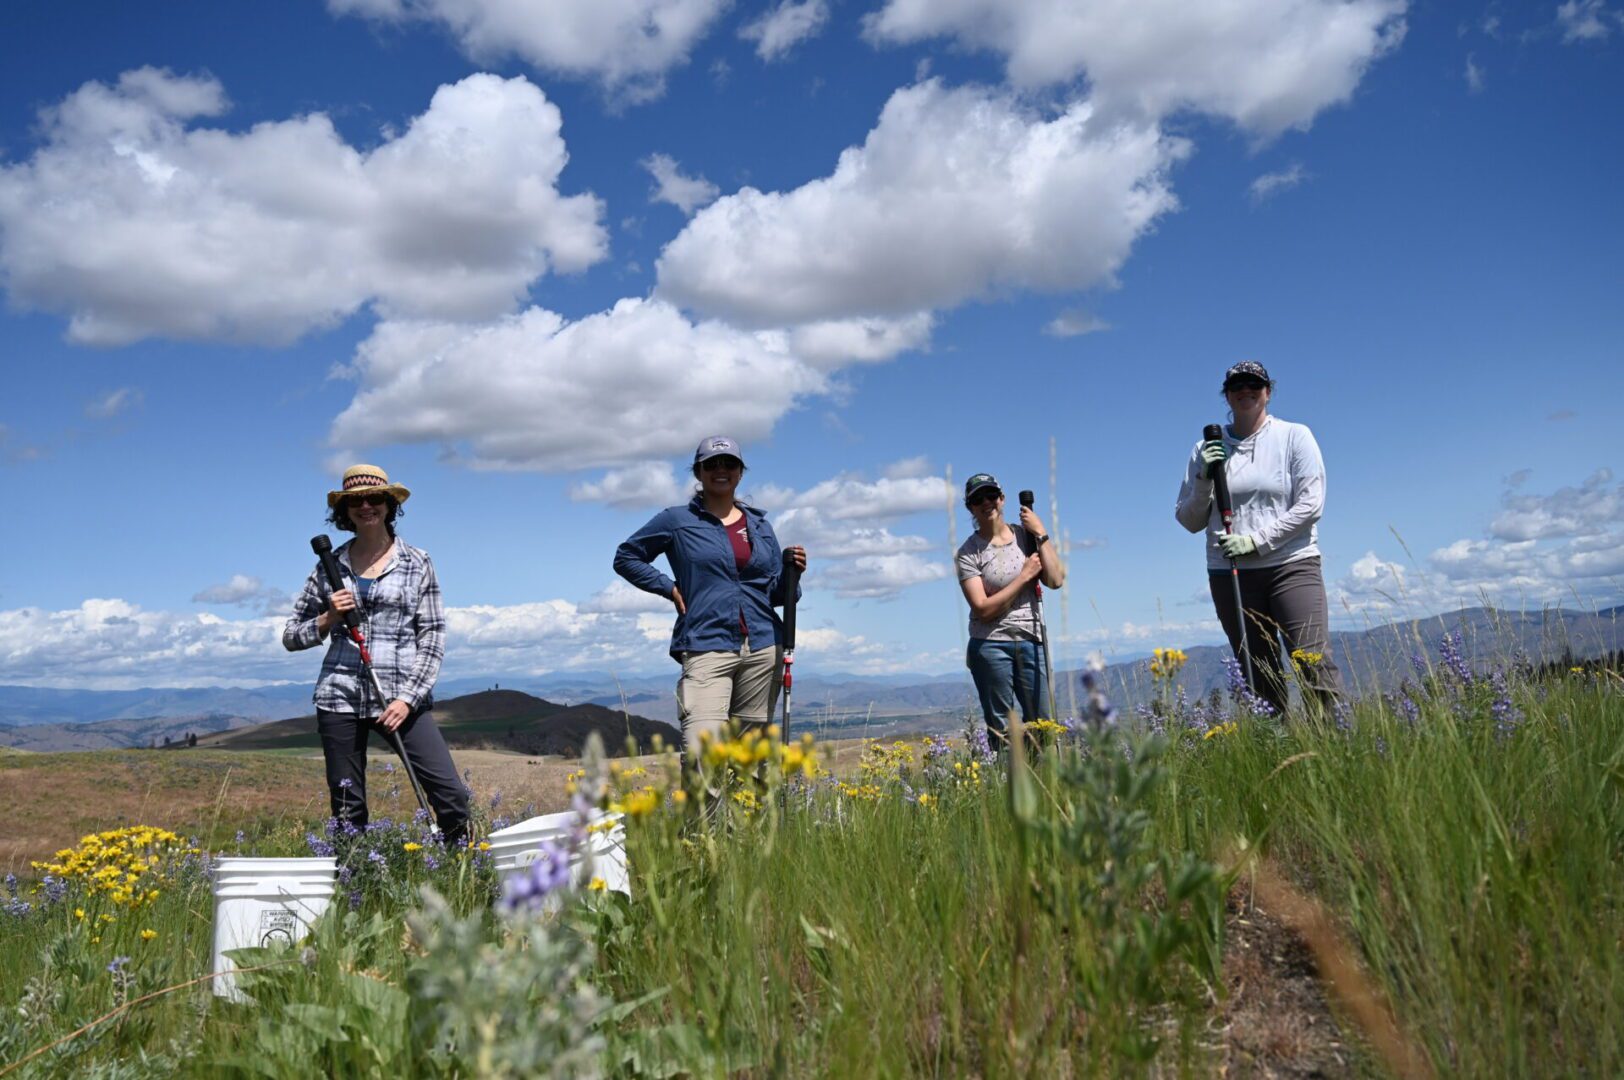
718,686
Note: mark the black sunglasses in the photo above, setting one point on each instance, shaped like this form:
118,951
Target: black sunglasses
712,464
984,495
1246,384
374,499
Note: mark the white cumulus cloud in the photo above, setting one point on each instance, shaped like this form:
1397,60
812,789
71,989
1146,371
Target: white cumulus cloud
534,391
625,45
1268,65
644,484
245,590
955,194
671,185
135,220
785,26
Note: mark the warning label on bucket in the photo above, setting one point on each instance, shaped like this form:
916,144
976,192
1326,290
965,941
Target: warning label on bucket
277,927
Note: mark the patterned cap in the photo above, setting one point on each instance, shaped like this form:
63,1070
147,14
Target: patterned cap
1247,369
716,446
978,481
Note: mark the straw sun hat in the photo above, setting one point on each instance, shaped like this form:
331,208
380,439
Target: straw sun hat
363,480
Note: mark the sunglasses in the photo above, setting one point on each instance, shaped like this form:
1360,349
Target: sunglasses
374,499
1246,384
985,495
712,464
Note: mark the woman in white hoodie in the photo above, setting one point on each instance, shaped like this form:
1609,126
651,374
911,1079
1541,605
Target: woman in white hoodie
1277,484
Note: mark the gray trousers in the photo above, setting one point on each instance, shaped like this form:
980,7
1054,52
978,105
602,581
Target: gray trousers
1281,601
344,745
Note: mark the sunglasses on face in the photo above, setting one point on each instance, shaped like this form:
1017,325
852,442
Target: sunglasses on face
984,496
371,500
1245,384
712,464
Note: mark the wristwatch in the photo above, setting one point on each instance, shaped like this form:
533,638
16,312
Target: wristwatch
1039,540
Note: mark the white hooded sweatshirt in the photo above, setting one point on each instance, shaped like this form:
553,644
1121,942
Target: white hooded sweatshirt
1277,484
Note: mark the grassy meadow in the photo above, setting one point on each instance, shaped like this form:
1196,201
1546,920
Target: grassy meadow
1429,884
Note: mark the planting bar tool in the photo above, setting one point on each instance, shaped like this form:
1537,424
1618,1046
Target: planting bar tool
792,586
1027,498
323,547
1226,510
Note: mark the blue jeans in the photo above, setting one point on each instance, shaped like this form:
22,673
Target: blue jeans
1009,673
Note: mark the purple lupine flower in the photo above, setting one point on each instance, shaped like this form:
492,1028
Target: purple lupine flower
55,889
548,873
496,800
1151,719
346,784
1343,714
501,822
320,848
331,827
1234,675
980,748
355,900
420,816
389,767
1449,647
430,862
1381,746
1419,664
241,836
377,860
117,964
11,884
1255,705
17,908
1506,715
1408,709
344,875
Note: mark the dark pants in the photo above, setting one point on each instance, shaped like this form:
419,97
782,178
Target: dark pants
1006,674
344,744
1286,601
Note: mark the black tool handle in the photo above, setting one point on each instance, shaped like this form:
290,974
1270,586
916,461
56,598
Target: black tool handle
323,548
1220,482
792,586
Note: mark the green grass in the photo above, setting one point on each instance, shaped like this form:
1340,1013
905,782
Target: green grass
1476,875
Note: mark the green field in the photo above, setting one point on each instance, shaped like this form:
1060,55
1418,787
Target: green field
1169,904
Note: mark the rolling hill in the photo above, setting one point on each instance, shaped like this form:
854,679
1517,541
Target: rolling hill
489,719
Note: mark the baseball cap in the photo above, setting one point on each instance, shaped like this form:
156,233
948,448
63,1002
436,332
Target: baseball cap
1247,369
978,481
716,446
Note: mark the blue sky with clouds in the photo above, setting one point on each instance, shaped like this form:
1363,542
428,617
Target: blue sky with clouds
525,260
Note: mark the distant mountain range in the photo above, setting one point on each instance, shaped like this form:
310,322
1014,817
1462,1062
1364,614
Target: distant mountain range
489,719
1371,660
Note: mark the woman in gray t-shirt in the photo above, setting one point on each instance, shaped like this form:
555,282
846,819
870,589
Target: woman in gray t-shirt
998,568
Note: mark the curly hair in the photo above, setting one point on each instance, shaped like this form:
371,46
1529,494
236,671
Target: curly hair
339,516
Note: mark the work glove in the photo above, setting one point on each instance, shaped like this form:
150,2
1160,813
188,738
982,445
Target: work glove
1212,453
1235,546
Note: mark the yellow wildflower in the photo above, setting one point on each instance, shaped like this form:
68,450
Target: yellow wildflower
1227,728
410,846
1165,663
148,935
598,884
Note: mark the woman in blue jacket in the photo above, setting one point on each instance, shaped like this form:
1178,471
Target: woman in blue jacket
728,571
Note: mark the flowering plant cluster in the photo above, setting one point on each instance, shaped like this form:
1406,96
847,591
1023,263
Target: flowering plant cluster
126,867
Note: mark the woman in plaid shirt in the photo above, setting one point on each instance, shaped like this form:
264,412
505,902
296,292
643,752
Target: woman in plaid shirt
392,585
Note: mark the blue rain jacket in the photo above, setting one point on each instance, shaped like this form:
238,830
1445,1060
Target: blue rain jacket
715,591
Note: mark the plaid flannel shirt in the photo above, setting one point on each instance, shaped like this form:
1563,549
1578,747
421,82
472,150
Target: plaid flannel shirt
404,626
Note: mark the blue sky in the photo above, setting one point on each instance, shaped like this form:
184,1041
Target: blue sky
526,262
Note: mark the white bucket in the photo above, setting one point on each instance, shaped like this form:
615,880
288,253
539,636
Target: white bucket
514,848
259,902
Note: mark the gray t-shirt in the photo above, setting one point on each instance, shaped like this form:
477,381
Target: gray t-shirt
997,565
